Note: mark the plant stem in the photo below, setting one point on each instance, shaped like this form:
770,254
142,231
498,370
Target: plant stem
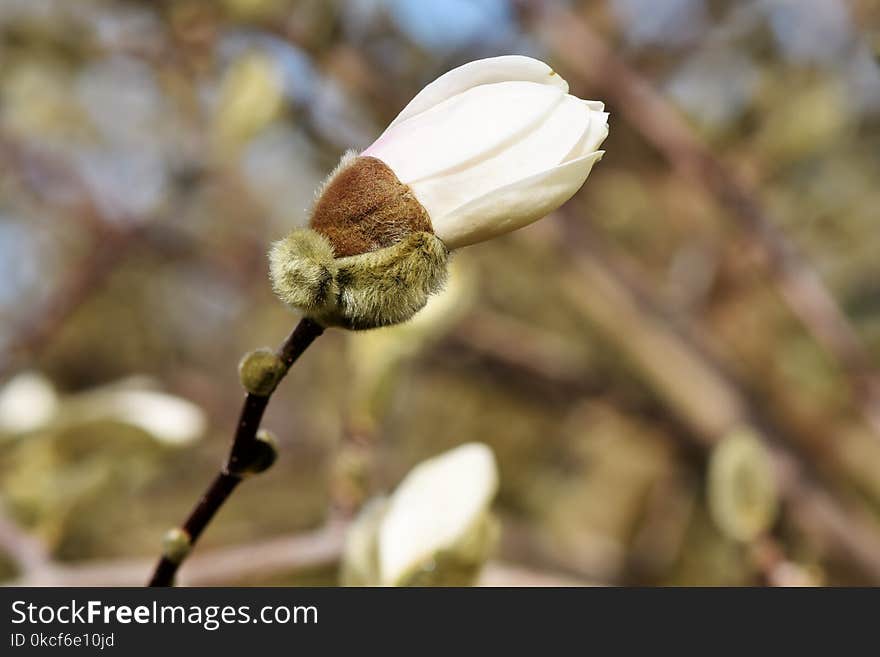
244,441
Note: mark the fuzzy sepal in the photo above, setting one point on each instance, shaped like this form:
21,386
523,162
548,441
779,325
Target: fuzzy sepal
378,288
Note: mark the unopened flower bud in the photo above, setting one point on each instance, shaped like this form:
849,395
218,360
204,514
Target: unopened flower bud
258,457
436,529
260,371
176,545
485,149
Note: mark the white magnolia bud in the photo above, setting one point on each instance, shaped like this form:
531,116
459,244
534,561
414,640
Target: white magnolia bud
436,529
435,511
492,146
485,149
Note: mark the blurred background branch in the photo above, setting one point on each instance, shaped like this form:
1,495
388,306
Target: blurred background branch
707,399
599,69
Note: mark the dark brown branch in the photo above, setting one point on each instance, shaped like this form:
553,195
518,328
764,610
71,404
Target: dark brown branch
244,442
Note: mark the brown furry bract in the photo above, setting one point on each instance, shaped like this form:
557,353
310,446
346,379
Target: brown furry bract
370,258
364,207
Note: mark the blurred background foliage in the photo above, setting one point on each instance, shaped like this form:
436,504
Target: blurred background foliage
670,399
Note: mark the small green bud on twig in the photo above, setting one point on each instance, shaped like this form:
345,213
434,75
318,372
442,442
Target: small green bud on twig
261,455
176,545
260,371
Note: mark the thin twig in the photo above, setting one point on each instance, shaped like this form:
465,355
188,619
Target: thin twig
243,444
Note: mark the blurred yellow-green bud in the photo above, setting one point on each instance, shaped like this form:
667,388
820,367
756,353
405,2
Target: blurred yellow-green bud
742,491
436,529
260,371
250,97
259,457
176,545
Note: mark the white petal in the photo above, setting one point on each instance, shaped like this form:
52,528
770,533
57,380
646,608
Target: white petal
167,418
516,205
592,138
482,71
541,148
436,503
464,128
359,559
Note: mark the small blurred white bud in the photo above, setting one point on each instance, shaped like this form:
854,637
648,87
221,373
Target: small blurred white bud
27,402
436,529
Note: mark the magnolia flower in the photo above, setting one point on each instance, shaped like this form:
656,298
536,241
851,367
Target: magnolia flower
485,149
492,146
434,529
